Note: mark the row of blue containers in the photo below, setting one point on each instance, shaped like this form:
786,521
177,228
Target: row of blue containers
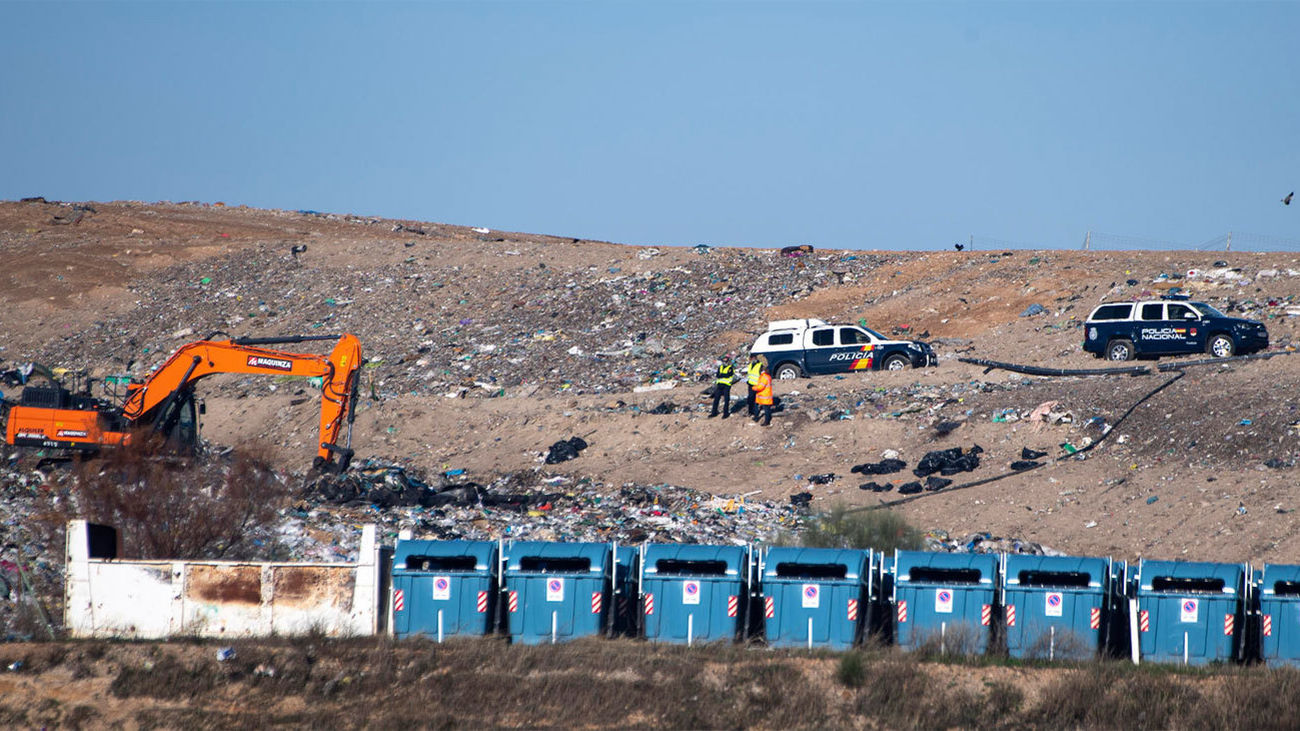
1051,607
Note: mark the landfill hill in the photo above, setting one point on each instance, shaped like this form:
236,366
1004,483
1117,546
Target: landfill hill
490,346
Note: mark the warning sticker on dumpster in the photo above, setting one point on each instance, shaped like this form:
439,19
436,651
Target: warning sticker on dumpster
1054,602
690,592
1189,610
811,596
441,588
943,601
555,590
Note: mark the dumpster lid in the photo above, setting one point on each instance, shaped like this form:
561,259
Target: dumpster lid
829,563
483,553
1056,571
546,557
692,559
1200,577
945,568
1280,579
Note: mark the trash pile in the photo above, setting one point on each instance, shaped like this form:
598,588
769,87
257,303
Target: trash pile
439,328
31,557
942,461
939,540
524,505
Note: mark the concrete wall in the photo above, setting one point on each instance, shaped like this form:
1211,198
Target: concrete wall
157,599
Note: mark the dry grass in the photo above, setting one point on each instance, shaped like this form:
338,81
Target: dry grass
378,683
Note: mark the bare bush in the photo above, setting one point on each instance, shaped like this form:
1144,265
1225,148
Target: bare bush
881,530
170,506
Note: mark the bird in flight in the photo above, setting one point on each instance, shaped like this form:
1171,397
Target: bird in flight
1287,200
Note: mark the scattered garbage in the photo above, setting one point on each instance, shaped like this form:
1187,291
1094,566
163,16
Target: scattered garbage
225,654
801,499
825,479
1034,309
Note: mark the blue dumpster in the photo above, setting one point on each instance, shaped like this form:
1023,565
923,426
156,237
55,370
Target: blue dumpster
443,588
1056,607
944,601
694,593
556,591
1279,606
1190,612
816,596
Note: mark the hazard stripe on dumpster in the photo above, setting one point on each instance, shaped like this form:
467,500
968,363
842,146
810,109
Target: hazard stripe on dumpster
1094,618
769,607
649,604
1144,620
399,600
733,606
853,610
1229,622
986,614
1011,615
514,601
482,602
596,599
1268,625
902,610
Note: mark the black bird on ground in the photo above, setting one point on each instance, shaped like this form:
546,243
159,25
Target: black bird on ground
958,247
297,249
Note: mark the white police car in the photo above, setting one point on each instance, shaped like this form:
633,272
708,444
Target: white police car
1171,325
795,348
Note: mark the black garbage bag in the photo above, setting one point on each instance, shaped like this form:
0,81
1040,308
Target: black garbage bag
664,408
801,498
1021,465
565,450
1027,453
936,483
825,479
883,467
909,488
948,461
876,486
944,428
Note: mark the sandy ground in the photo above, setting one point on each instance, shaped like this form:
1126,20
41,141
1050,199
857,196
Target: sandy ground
1189,480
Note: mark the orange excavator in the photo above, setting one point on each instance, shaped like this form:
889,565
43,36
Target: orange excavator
52,417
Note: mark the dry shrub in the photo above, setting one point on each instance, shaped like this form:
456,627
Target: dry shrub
957,639
840,527
1112,695
170,506
1066,646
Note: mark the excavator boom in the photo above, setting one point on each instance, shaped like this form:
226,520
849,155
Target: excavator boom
160,398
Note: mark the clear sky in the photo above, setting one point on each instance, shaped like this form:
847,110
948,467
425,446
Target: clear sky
841,124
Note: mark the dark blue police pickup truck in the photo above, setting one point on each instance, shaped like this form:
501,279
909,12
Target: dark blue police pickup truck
796,348
1168,326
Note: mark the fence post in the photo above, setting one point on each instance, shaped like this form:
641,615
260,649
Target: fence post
1087,241
1229,245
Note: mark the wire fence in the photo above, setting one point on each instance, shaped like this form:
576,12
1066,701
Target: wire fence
1231,241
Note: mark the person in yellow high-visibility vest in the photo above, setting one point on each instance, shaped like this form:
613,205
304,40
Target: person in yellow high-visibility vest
722,386
763,395
751,378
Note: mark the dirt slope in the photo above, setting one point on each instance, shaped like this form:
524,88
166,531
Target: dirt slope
494,344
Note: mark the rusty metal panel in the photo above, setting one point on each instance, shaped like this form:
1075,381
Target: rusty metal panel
314,587
216,584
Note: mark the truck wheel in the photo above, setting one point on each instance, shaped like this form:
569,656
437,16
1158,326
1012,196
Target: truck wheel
1119,350
787,372
1220,346
896,362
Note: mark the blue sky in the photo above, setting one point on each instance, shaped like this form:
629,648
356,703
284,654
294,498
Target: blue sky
842,124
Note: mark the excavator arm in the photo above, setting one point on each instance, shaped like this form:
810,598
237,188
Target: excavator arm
159,393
